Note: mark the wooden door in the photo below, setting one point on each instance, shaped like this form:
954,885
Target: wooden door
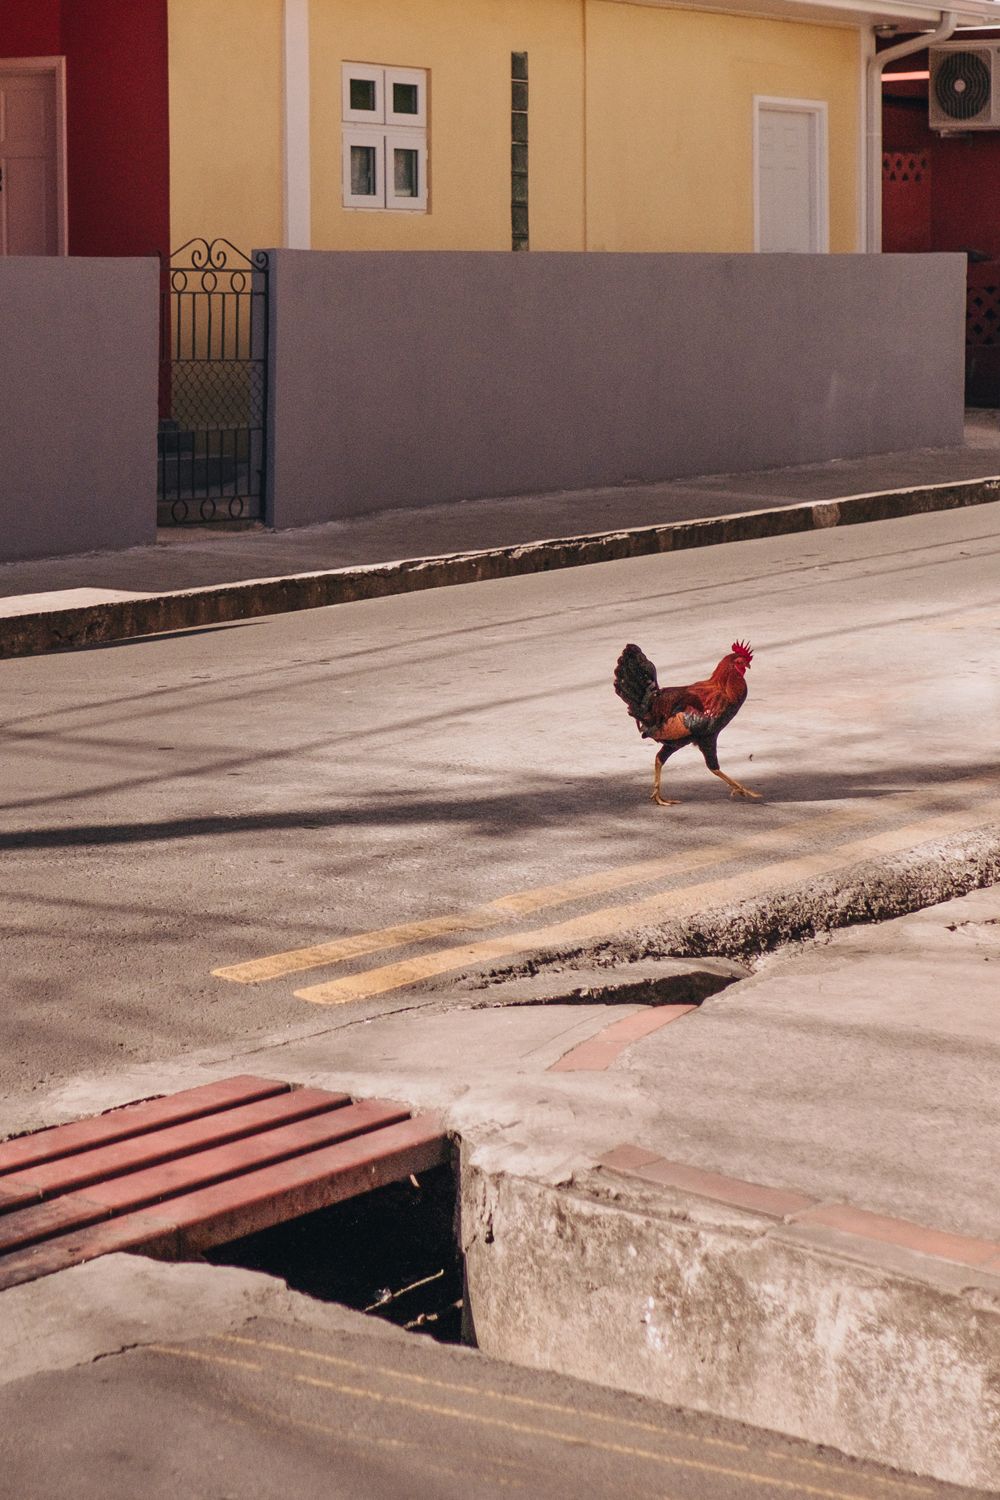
29,161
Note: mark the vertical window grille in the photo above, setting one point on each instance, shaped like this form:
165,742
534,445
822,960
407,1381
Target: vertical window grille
519,151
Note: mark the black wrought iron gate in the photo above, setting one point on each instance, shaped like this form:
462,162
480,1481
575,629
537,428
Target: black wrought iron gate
211,445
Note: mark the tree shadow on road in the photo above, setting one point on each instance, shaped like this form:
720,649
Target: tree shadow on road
530,804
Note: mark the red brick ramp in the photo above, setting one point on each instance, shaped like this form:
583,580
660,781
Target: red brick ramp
174,1176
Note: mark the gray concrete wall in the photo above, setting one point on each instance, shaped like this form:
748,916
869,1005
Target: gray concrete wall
877,1351
78,404
406,379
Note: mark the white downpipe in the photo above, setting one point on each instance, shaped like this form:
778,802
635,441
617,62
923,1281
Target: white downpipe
876,65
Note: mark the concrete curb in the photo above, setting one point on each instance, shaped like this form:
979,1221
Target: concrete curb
152,614
874,890
882,1351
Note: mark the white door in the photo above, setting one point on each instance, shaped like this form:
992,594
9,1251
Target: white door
29,184
790,185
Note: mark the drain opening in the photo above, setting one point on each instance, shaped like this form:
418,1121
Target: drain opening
392,1253
644,982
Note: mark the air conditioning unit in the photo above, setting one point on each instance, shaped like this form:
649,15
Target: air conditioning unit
964,89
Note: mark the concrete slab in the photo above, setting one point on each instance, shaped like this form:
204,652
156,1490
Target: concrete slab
94,1310
856,1075
859,1067
61,599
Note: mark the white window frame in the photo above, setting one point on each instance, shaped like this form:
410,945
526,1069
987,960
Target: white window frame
408,140
368,74
358,137
406,75
819,110
384,128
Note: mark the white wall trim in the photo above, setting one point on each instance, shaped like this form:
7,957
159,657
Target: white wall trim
819,110
297,207
57,67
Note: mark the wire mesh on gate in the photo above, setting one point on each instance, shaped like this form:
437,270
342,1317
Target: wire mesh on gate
213,384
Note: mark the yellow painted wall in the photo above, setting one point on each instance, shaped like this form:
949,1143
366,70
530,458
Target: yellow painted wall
670,122
225,59
466,46
640,120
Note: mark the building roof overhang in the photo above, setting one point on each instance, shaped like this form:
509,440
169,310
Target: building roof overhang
906,16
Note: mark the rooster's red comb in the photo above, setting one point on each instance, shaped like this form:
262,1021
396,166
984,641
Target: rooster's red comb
742,650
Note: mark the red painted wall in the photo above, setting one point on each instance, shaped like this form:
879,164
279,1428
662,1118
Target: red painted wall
29,28
966,196
964,199
118,164
116,86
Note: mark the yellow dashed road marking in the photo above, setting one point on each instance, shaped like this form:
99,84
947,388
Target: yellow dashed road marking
520,904
680,902
523,903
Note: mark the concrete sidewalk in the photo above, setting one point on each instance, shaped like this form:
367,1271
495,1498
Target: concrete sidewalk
778,1206
203,576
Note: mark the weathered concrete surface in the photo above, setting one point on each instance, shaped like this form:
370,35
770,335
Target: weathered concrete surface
111,1304
860,1069
57,624
877,889
879,1355
274,1394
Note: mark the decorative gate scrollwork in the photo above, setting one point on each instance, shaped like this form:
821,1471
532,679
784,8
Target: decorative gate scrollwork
213,384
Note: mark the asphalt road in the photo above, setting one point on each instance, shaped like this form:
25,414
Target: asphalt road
454,767
279,1410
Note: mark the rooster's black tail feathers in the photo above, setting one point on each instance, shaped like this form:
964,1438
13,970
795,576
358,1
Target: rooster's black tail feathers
636,684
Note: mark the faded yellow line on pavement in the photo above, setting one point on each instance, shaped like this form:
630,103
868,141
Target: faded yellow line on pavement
489,1393
526,1429
523,903
209,1359
346,1440
519,904
597,1445
457,1388
680,902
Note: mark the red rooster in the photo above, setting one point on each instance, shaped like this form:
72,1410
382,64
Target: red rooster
678,716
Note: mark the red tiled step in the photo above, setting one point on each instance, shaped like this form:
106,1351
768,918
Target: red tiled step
133,1119
68,1172
800,1210
776,1203
227,1210
132,1190
600,1051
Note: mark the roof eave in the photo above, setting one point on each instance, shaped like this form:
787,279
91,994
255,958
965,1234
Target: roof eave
906,15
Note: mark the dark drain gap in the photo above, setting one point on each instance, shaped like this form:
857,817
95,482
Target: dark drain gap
649,982
392,1253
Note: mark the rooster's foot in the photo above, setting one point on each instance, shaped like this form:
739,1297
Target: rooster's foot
663,801
736,789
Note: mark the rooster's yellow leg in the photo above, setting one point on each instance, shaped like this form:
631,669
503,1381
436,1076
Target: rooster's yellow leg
655,794
737,789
